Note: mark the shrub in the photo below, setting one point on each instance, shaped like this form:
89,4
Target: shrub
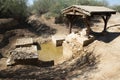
116,7
13,8
55,6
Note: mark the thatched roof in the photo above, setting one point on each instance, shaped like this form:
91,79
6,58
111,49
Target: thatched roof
87,10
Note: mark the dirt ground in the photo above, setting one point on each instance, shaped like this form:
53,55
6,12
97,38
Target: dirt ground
107,48
105,57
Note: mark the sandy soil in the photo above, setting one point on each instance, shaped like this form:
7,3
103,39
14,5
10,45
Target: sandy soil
107,49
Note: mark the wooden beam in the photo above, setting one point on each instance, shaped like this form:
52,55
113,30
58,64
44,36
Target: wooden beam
82,11
70,22
105,19
67,10
70,27
102,13
76,13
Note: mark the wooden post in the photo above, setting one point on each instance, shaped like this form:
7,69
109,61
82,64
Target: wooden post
105,19
70,22
87,25
70,27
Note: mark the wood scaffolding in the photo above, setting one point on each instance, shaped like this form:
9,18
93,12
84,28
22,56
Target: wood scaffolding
85,12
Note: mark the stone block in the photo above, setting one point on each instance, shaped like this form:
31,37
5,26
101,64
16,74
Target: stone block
88,41
58,40
74,44
21,54
24,41
84,41
67,51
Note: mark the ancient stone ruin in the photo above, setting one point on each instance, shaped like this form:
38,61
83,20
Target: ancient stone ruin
74,43
58,40
25,50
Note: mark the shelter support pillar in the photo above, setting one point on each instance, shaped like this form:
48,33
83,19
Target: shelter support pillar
105,19
70,26
88,26
70,22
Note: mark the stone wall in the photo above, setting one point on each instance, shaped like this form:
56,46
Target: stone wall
25,50
71,47
74,44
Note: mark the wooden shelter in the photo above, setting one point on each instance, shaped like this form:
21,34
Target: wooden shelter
85,12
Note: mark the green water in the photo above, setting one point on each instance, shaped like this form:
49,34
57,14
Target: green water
49,52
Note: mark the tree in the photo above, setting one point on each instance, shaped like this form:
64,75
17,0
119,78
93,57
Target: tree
13,8
55,6
116,7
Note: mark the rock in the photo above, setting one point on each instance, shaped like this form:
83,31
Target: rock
71,37
58,40
75,42
10,62
25,50
67,50
24,41
83,33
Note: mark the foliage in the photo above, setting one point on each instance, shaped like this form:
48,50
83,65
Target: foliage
116,7
55,6
93,2
13,8
41,6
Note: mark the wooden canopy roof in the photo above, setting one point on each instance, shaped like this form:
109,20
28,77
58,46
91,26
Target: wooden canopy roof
87,10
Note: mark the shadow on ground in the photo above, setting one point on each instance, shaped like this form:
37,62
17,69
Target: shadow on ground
40,28
5,40
59,72
106,37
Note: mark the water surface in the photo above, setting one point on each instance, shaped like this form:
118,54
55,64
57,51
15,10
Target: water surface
49,52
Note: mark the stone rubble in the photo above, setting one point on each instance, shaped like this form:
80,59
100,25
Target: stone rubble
25,51
75,42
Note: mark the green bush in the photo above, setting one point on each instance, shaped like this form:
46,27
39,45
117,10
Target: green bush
13,8
55,6
116,7
41,6
93,2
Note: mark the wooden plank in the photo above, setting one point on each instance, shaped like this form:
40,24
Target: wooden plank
82,11
67,10
95,8
76,13
89,10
